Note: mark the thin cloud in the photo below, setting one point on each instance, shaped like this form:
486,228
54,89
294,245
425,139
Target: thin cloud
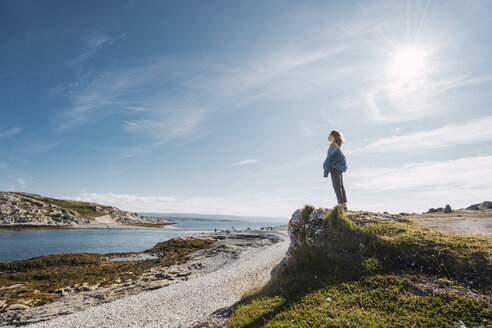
473,131
22,182
36,147
93,44
196,93
433,174
246,162
240,204
118,153
404,101
10,133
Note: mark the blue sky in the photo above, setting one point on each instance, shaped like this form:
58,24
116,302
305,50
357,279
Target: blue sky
225,106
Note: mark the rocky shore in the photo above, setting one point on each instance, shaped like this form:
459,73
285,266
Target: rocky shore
217,250
18,210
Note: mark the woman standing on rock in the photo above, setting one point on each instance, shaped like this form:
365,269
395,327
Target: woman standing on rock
336,164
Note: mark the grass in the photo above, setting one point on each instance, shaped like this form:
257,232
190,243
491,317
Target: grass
85,209
383,274
151,225
39,277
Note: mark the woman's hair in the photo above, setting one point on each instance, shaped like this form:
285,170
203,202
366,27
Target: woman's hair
338,137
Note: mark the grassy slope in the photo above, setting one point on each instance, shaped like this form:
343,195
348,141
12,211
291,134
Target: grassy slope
85,209
386,274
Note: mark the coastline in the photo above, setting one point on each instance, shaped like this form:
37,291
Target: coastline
164,226
21,227
228,247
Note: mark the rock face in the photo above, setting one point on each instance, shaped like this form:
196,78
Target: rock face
480,206
446,209
29,209
434,210
307,224
487,205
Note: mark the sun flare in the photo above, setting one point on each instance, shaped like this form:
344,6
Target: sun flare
409,63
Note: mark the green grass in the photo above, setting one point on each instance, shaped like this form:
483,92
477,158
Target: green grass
384,274
85,209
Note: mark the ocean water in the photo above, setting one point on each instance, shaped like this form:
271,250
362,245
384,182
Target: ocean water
23,245
219,225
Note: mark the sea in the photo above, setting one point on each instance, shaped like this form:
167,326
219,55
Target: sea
26,244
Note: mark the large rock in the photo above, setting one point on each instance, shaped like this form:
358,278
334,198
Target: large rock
307,224
448,209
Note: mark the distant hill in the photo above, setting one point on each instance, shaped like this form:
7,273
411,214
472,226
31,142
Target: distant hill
480,206
214,217
19,208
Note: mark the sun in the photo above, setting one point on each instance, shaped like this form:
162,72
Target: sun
409,63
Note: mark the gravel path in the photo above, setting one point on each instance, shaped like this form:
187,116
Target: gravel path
187,303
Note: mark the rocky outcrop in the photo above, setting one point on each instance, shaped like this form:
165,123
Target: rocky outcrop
307,224
446,209
30,209
480,206
487,205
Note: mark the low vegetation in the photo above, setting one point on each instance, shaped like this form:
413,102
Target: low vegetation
382,274
35,281
85,209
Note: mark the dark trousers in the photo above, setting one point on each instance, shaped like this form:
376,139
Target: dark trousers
337,181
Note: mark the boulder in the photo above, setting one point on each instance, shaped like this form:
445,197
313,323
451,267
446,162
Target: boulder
435,210
448,209
307,224
18,307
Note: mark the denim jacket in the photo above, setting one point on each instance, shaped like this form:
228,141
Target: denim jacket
335,159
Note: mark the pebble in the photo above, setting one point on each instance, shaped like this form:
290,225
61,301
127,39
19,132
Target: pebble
184,303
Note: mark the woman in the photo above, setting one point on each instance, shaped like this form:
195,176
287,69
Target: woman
336,164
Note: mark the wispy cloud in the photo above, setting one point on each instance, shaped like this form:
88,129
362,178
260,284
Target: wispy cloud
10,133
452,174
93,43
240,204
22,182
473,131
410,100
123,152
246,161
35,146
173,98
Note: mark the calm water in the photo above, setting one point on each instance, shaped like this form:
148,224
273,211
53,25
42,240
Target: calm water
22,245
223,224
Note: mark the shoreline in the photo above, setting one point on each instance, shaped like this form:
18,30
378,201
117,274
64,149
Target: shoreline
226,250
23,227
166,226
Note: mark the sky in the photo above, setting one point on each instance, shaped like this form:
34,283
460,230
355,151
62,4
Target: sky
224,107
